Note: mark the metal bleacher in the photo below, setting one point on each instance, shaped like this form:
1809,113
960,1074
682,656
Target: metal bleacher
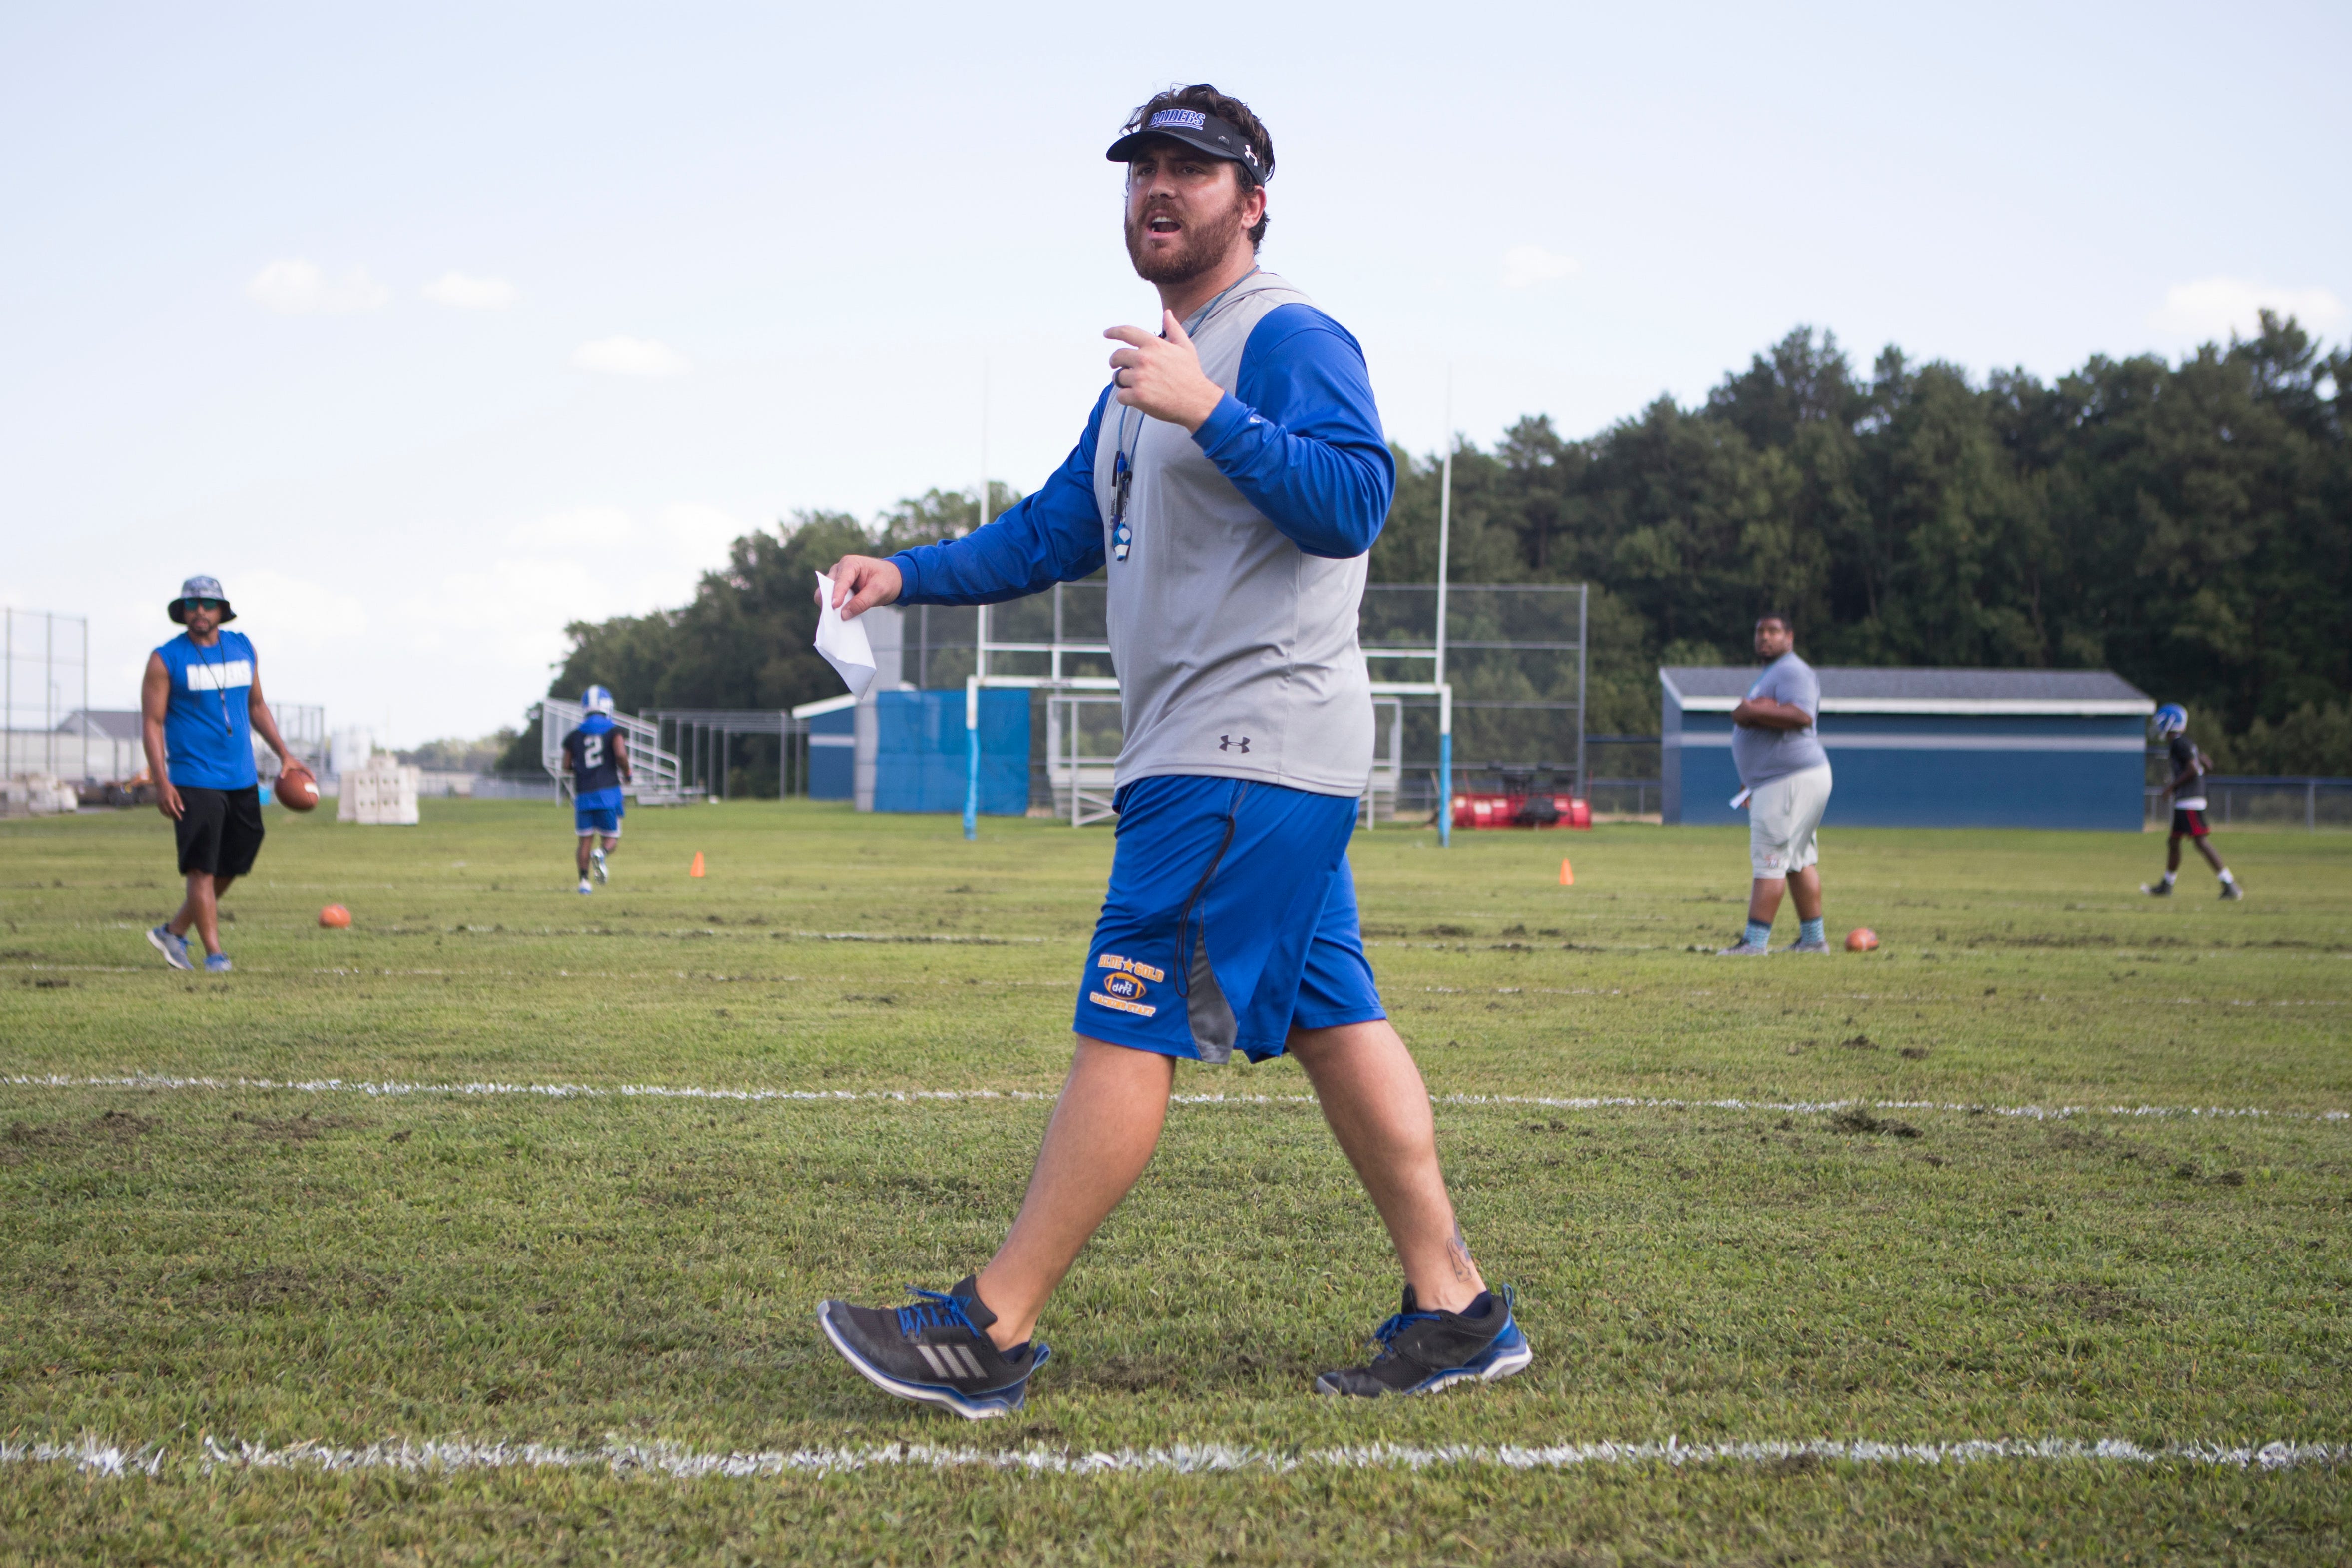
656,781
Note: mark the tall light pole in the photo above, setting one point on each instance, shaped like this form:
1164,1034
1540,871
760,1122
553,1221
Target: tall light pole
1445,696
980,642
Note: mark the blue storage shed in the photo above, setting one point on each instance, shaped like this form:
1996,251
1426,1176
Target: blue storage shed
1930,748
923,753
832,746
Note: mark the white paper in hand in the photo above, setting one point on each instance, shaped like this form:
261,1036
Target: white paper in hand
843,643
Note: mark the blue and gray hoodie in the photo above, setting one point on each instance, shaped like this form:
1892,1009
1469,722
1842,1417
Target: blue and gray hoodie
1233,615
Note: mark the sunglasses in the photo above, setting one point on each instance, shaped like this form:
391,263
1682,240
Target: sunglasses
205,603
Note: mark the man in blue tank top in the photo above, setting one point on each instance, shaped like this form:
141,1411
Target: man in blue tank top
201,704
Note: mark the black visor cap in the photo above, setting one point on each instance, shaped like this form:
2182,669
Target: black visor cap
1202,131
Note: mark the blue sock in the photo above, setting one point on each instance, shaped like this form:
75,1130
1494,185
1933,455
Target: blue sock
1809,930
1758,934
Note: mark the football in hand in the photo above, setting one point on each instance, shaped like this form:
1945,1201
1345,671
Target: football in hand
335,916
297,790
1861,939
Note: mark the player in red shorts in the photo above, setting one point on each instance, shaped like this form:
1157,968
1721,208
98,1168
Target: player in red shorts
2189,770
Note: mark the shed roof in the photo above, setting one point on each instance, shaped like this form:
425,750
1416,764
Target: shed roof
109,724
2068,693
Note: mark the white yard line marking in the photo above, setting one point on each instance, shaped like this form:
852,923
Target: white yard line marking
1823,1107
155,1082
472,973
160,1081
96,1456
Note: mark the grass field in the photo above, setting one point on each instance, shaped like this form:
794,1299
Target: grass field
2059,1165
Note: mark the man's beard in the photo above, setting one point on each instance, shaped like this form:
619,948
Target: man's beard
1201,248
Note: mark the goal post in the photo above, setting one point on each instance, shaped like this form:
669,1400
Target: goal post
1075,686
1511,656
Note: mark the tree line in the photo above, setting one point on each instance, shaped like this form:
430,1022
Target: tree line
2188,525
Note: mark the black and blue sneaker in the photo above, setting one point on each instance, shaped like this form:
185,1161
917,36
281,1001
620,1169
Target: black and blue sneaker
936,1351
1422,1353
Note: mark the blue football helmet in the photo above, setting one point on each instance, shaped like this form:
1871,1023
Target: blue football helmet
596,699
2170,720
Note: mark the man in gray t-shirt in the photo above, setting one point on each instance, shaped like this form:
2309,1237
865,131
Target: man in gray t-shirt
1787,775
1764,751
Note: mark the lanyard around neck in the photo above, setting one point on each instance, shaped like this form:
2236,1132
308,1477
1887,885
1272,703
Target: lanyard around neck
1122,537
219,666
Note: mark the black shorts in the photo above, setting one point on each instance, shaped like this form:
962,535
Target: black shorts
2188,823
220,830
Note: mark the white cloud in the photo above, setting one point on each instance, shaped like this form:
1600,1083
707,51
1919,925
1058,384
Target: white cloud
699,534
296,286
509,615
629,356
2217,307
1525,265
281,612
684,533
577,527
467,292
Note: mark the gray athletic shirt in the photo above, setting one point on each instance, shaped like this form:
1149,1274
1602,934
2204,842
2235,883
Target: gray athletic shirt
1764,755
1233,604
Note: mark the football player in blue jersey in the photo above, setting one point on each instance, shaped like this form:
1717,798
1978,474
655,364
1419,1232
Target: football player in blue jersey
2189,769
597,754
200,707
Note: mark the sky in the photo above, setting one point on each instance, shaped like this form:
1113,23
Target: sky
431,329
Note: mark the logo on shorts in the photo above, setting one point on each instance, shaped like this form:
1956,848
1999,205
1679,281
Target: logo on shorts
1120,1004
1123,988
1227,743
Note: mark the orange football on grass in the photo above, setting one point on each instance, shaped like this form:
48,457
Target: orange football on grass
1861,939
336,915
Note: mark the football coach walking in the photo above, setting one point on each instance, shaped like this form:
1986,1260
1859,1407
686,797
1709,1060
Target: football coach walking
200,708
1231,479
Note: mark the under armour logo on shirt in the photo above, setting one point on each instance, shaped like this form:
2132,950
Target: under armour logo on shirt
1227,743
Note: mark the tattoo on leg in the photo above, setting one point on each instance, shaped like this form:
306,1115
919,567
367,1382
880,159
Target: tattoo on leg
1457,1253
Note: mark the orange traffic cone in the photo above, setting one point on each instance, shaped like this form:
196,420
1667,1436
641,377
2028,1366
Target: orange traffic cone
1566,875
698,865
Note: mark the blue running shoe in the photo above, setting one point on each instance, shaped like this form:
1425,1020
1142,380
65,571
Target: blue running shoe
1422,1353
936,1351
217,963
174,948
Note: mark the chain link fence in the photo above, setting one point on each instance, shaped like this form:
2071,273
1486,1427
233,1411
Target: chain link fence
2306,802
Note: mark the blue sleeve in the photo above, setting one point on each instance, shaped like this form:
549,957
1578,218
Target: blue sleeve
1299,437
1054,535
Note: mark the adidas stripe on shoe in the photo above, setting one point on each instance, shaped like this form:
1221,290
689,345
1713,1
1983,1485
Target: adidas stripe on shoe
935,1352
1424,1351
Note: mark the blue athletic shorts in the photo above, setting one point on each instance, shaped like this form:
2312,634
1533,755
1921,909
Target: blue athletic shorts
1231,921
588,819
